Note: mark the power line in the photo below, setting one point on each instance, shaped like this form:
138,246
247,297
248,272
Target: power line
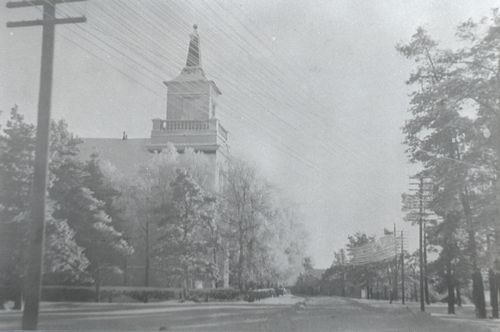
294,128
103,59
286,150
270,131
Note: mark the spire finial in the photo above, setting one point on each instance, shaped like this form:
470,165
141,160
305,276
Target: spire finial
194,56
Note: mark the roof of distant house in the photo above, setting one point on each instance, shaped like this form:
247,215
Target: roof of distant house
124,154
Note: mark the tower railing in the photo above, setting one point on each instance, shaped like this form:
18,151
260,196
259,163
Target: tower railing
173,126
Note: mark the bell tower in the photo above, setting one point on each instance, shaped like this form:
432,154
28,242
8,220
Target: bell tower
191,120
191,96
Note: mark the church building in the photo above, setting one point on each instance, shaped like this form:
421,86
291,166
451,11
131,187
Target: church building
190,122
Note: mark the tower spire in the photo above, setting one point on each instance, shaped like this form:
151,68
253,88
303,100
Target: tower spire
194,55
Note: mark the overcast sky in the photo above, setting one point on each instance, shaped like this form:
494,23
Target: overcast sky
313,91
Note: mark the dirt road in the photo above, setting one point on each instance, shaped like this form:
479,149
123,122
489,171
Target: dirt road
317,314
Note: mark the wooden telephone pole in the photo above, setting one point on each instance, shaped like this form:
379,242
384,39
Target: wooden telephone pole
33,275
421,241
402,270
416,205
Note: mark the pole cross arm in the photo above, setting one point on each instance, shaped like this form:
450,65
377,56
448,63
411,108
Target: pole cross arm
65,20
32,3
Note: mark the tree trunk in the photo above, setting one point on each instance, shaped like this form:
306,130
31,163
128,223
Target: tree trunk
125,272
459,296
478,294
185,284
225,273
146,257
18,294
343,283
147,265
216,267
497,278
18,279
477,278
98,284
241,263
451,289
493,293
367,288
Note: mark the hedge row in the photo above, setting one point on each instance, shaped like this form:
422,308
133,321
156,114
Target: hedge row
258,294
107,293
143,294
217,294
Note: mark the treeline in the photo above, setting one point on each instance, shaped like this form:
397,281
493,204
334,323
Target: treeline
375,280
453,132
163,226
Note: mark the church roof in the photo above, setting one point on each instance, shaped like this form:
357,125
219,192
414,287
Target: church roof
125,155
194,52
193,70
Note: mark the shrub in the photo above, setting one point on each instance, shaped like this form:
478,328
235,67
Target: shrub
258,294
280,291
210,294
143,294
88,294
7,294
68,294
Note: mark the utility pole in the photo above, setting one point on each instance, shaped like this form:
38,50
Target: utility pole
32,279
426,277
395,288
494,132
420,237
402,270
416,205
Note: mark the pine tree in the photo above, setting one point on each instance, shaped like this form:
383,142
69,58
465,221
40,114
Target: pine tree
87,215
185,244
440,136
63,256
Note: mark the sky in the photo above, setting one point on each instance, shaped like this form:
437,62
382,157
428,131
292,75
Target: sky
313,92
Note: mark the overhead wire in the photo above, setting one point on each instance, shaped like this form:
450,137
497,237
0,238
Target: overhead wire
288,152
319,141
290,65
102,58
255,120
359,185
